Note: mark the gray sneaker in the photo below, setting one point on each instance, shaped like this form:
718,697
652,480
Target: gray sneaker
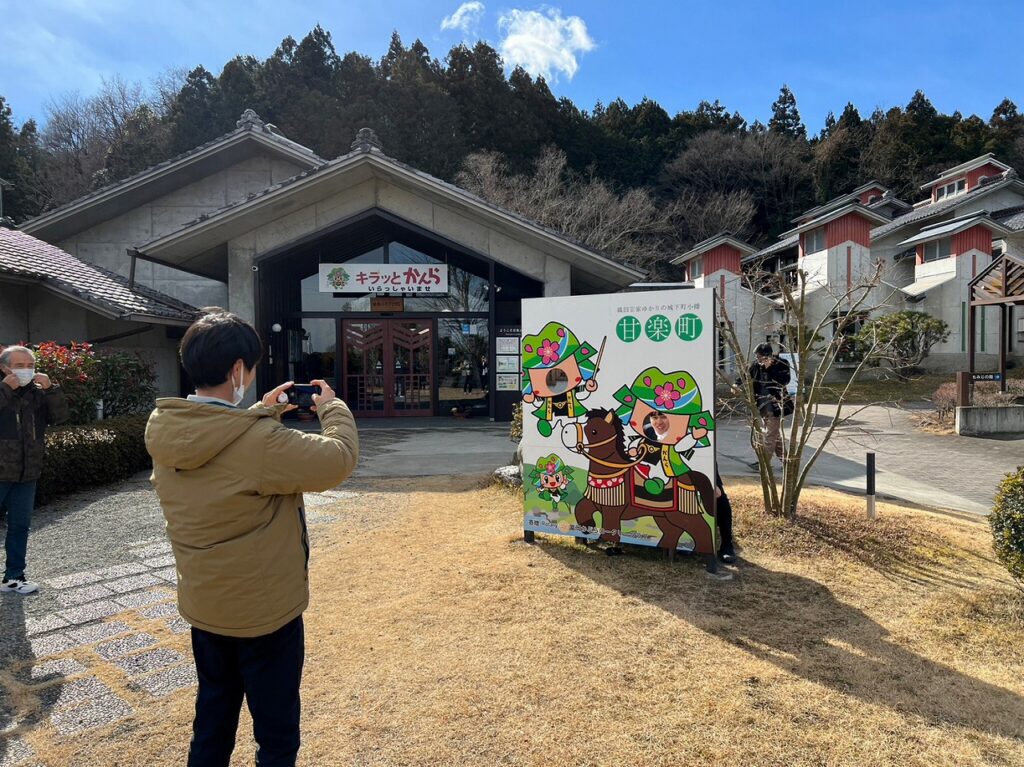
19,586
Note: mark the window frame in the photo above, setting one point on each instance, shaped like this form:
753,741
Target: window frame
937,255
815,233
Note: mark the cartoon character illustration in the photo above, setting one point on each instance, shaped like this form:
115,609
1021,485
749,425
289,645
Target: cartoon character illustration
665,411
551,476
612,488
559,372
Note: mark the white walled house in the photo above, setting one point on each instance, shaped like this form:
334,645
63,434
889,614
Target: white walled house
717,263
928,252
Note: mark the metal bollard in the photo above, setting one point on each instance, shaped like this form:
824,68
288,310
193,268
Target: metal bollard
871,485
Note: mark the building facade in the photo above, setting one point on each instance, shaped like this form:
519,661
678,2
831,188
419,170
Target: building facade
928,253
399,289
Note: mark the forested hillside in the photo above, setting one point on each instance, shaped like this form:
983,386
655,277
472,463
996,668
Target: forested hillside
673,179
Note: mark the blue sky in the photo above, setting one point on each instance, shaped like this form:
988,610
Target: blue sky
872,53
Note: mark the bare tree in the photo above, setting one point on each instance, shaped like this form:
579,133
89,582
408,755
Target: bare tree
80,132
631,226
702,216
821,322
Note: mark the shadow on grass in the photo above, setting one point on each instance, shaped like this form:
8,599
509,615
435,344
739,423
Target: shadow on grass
798,625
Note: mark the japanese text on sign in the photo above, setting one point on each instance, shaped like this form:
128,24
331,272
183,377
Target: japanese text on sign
384,278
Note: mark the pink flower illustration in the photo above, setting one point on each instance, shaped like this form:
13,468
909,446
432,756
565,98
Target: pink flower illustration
667,395
549,352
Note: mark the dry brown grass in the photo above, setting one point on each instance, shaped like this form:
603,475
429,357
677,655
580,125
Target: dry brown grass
439,638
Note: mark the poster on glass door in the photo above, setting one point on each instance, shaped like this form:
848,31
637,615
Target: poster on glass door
618,418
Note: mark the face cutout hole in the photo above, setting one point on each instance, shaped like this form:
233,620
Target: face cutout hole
557,381
656,426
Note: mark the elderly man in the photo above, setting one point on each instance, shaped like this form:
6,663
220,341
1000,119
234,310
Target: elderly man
29,403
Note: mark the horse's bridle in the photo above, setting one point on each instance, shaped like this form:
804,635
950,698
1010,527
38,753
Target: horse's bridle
581,448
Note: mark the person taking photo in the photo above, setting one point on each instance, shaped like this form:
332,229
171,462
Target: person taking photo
230,482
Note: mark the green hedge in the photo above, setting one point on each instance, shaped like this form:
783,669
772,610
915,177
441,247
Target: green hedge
93,454
1007,522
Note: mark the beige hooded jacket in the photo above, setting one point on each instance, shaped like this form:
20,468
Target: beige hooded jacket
230,483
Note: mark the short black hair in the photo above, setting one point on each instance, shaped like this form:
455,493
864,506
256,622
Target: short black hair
764,350
214,342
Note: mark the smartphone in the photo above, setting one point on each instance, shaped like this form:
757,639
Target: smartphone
302,395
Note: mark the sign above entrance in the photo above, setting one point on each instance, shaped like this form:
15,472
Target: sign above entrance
387,304
395,279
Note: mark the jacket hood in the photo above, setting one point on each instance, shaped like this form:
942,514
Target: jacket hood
186,435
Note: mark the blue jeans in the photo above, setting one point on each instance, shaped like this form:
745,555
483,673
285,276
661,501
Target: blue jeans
18,498
265,670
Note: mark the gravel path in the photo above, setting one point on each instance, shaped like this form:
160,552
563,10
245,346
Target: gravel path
106,605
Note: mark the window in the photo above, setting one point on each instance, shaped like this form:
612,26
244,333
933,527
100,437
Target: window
814,240
950,189
933,251
696,268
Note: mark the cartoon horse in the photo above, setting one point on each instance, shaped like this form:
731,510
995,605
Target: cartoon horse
601,440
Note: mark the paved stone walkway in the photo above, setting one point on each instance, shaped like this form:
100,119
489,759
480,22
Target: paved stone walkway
106,611
941,471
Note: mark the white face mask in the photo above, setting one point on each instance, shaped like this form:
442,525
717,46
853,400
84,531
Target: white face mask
239,389
25,376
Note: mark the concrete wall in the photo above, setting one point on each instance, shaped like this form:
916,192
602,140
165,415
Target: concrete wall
555,273
107,243
980,421
33,314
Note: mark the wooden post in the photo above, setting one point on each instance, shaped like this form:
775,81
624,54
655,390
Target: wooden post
963,389
1004,318
970,333
871,486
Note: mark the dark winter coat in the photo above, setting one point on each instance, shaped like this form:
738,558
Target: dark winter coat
24,415
770,386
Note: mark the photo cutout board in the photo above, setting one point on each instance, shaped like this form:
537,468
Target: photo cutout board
618,418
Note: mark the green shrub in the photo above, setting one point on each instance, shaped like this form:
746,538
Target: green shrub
125,383
74,367
93,454
1007,522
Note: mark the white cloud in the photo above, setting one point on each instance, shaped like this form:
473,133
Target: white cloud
465,17
544,42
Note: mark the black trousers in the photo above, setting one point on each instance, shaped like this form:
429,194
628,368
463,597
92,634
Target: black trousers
265,670
723,514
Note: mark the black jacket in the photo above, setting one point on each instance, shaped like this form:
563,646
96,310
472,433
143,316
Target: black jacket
770,385
24,415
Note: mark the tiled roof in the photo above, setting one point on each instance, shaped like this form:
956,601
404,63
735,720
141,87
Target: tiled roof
784,244
23,255
942,206
1011,218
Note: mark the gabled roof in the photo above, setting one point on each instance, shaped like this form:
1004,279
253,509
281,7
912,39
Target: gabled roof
948,228
947,204
24,258
204,234
785,243
842,199
1001,282
722,238
966,167
1011,218
832,215
250,137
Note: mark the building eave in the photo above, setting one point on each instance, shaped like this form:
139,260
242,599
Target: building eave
814,223
966,167
60,223
229,222
710,244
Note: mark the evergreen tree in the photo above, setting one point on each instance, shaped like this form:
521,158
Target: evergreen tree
194,114
19,154
785,116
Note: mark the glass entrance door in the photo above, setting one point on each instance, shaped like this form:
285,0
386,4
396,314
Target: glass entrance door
388,367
